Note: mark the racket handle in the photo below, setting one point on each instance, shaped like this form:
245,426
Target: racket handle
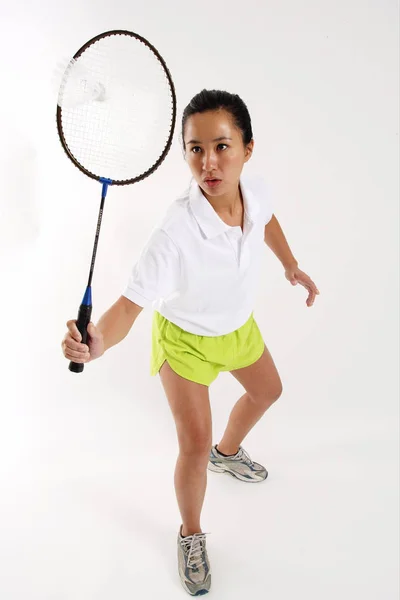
82,322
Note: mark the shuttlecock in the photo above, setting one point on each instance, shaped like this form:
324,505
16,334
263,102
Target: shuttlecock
78,85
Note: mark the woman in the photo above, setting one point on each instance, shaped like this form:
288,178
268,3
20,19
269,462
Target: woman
199,272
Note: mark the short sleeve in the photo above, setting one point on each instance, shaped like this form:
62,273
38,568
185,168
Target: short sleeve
267,201
269,212
262,192
156,273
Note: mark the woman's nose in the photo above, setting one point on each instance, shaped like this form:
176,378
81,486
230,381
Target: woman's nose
209,161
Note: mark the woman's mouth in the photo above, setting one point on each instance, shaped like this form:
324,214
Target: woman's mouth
212,183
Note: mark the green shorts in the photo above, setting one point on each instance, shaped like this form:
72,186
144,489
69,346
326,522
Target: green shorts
200,358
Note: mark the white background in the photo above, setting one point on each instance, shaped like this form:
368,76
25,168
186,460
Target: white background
87,504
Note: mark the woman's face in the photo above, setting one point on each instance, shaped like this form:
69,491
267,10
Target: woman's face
215,152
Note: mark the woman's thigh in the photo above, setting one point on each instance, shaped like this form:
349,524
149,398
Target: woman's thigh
261,379
190,406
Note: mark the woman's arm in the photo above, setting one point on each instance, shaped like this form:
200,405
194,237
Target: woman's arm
113,326
117,321
275,239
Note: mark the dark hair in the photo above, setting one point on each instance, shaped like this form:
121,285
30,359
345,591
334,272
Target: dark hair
216,100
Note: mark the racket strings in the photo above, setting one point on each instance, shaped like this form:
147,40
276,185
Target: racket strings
117,108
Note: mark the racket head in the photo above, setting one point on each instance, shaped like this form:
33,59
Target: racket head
120,123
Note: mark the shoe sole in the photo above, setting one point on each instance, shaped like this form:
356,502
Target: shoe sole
215,469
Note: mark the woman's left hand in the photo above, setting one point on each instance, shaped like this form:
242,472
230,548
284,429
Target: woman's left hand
295,276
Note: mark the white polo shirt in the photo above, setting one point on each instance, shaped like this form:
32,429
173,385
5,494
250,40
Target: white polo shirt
199,272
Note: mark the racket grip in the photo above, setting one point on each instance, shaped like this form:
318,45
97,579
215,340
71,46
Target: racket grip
82,322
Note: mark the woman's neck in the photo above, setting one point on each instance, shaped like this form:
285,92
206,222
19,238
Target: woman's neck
227,205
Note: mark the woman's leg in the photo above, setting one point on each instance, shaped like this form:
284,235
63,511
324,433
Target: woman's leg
263,387
190,405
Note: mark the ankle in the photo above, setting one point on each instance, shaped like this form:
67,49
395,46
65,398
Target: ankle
185,531
226,450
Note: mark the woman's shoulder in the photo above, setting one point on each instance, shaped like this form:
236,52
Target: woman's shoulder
255,182
176,214
258,192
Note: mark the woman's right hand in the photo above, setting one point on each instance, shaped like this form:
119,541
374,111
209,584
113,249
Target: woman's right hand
74,350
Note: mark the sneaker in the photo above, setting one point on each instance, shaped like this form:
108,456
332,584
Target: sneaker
193,563
239,465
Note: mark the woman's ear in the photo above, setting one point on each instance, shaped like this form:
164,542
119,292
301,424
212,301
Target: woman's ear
249,150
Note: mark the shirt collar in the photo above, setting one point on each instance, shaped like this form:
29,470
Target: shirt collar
208,220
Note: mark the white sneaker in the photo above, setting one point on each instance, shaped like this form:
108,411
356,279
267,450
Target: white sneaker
193,563
240,465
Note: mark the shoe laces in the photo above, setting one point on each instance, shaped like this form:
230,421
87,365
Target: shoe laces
243,457
194,546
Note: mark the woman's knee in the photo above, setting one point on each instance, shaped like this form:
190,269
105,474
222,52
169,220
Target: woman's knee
269,395
195,441
276,391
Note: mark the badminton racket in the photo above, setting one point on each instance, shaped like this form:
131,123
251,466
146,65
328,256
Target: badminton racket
116,114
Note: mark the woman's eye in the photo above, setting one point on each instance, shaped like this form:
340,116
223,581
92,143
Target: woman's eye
197,149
